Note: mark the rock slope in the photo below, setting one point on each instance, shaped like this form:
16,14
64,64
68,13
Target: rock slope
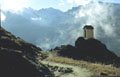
66,70
18,58
89,50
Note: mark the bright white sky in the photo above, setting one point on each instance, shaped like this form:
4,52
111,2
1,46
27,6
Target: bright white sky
63,5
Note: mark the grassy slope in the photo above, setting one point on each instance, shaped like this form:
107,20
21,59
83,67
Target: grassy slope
95,68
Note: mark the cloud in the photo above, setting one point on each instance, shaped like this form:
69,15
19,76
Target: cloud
79,2
103,18
62,3
3,17
36,18
14,5
44,46
67,29
70,1
82,2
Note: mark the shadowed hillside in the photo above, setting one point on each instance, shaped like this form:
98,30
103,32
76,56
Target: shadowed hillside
18,58
89,50
10,41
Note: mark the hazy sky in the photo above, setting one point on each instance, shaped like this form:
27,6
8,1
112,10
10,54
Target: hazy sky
63,5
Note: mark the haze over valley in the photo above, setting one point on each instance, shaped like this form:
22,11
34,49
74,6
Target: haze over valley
49,27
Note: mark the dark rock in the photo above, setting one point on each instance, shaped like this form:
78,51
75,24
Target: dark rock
18,58
93,49
68,70
12,64
55,68
103,75
7,40
89,50
65,70
66,50
61,69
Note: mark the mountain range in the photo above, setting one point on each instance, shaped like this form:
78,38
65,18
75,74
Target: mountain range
49,27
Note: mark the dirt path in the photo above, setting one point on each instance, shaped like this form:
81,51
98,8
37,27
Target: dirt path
77,71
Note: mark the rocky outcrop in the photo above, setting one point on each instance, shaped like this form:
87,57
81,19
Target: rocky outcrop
18,58
59,69
89,50
13,64
66,50
7,40
93,50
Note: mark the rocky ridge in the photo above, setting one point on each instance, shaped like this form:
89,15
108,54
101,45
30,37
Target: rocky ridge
89,50
18,58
